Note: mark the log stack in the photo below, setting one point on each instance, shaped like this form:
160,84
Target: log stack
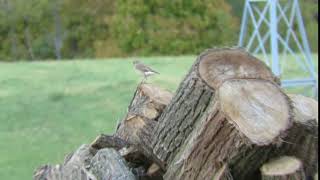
228,118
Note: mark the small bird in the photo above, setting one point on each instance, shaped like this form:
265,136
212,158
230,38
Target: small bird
145,70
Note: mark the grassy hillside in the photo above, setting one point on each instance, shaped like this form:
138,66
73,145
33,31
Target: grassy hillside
47,109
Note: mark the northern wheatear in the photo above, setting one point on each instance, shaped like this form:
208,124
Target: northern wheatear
145,70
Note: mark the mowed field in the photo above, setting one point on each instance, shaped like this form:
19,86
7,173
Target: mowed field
48,109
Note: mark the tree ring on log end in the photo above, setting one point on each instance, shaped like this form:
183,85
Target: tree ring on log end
283,166
258,108
218,65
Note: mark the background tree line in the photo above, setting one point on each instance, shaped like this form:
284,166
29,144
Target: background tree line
64,29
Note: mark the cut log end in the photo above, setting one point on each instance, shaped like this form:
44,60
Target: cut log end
282,166
257,108
156,94
249,94
285,167
218,65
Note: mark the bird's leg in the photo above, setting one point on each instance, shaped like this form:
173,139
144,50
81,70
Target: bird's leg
144,79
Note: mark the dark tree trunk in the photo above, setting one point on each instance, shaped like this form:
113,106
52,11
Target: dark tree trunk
58,38
14,43
28,38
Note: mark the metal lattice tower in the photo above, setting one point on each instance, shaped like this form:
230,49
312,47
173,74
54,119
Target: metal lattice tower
275,30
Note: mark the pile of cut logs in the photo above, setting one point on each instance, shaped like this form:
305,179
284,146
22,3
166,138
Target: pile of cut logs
229,119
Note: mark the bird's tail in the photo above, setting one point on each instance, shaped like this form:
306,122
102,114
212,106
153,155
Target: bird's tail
156,72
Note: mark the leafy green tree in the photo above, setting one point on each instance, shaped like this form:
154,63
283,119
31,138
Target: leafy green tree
172,27
63,29
84,23
23,23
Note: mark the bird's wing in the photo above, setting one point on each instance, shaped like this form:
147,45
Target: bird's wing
146,68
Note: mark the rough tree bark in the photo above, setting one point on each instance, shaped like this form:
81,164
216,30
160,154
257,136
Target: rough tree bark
223,173
228,104
107,164
283,168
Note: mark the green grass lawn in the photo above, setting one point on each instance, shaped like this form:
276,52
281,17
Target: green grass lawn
48,109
